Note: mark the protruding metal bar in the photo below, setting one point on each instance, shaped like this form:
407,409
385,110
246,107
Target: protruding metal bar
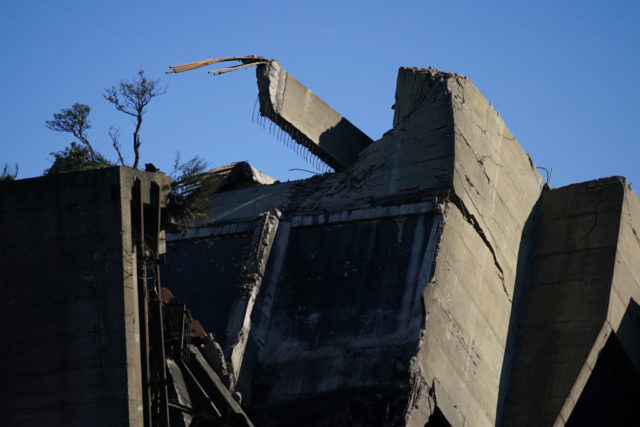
235,67
249,59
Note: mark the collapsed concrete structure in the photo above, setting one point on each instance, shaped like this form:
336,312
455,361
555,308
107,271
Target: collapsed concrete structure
91,338
433,279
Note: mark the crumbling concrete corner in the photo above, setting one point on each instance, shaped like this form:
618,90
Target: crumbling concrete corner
470,306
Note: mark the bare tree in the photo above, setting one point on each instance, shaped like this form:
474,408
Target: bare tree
132,98
74,120
114,134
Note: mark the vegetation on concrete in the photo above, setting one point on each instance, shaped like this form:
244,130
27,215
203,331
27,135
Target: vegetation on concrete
129,97
189,188
186,177
8,173
76,157
189,191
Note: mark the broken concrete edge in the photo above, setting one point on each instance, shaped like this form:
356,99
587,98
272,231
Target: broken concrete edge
426,390
458,177
238,175
420,390
429,385
413,87
239,323
466,185
468,198
307,119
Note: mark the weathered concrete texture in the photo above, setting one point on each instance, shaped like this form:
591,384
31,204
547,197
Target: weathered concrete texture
69,311
307,118
430,282
205,274
239,322
357,305
413,87
470,301
584,282
341,307
412,162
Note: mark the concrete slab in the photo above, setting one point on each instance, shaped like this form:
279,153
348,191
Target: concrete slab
309,121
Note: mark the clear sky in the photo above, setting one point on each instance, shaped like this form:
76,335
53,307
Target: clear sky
563,74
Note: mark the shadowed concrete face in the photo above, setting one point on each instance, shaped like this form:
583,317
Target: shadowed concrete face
581,293
307,118
69,312
439,203
401,290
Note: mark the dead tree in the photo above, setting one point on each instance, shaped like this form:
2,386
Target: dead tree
132,98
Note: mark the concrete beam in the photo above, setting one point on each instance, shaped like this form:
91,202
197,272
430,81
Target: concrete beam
309,120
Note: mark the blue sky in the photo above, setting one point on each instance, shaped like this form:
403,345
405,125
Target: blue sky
564,75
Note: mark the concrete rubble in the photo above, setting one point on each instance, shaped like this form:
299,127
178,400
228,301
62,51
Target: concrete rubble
433,279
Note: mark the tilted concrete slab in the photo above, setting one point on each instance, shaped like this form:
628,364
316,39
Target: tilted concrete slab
300,113
443,202
236,175
308,119
494,188
433,280
586,278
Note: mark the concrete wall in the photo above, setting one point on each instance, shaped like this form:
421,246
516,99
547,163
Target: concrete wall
584,282
625,290
69,312
473,298
348,295
520,290
205,274
339,308
431,280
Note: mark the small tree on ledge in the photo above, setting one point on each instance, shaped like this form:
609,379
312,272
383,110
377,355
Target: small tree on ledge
76,157
74,120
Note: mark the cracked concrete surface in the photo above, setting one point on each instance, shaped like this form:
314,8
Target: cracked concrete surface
457,202
468,188
405,275
430,280
572,304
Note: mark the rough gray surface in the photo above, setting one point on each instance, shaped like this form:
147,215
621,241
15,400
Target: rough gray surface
430,279
469,302
341,306
307,118
68,313
568,296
